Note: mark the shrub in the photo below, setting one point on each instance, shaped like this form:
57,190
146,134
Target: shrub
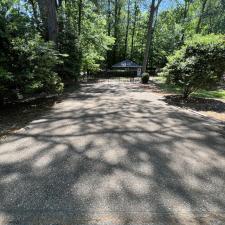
200,63
145,78
6,82
37,62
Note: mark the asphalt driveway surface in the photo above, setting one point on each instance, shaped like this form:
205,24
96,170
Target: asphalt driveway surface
114,154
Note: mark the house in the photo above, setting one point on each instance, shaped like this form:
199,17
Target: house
128,65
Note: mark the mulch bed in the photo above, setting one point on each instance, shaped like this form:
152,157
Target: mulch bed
212,108
198,104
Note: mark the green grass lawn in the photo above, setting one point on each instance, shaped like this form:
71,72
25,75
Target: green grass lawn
161,82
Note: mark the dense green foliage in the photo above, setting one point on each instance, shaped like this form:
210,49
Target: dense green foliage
36,62
27,61
94,39
46,44
200,63
30,63
179,24
6,81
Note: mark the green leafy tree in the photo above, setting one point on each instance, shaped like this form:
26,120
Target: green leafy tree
94,39
40,59
200,63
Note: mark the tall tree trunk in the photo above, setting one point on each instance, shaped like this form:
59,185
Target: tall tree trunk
109,18
109,60
133,30
153,9
43,13
127,28
52,21
186,9
80,8
116,24
198,27
151,47
149,35
49,18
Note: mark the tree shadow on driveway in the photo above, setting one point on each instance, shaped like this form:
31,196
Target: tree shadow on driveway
118,156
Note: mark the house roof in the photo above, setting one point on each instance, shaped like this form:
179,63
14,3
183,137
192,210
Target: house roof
126,64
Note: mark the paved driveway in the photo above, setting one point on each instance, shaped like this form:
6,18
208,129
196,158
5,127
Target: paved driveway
114,154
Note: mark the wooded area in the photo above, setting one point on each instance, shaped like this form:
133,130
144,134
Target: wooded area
45,43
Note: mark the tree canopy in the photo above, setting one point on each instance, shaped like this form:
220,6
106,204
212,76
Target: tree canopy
44,43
